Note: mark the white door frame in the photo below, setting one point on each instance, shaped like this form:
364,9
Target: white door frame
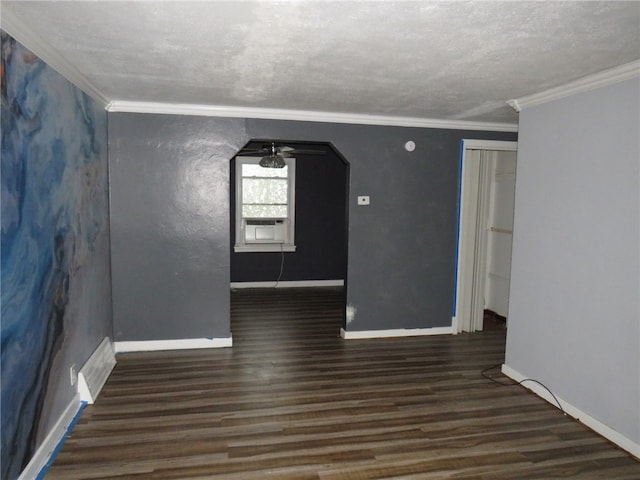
473,201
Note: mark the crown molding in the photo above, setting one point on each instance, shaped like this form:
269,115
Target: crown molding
15,27
302,115
590,82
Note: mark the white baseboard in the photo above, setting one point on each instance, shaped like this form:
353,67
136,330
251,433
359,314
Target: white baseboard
179,344
44,455
399,332
289,284
574,412
96,370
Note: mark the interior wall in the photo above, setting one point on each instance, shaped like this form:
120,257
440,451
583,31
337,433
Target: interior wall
321,224
56,296
171,239
169,186
574,317
401,247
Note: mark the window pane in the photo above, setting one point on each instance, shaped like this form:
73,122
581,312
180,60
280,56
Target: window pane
255,170
260,190
264,211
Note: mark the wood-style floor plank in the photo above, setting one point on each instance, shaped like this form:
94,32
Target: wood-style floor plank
293,401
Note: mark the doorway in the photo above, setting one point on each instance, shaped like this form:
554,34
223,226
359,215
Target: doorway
316,252
485,231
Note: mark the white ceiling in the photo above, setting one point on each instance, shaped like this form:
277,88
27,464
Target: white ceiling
452,60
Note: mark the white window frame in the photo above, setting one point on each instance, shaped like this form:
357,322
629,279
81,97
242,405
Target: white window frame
241,245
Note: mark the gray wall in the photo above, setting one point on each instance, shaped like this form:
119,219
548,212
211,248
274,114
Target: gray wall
401,252
170,221
574,318
169,187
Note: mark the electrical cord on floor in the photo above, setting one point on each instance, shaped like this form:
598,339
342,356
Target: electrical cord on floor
514,383
281,265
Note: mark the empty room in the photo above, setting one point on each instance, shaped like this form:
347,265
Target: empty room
320,240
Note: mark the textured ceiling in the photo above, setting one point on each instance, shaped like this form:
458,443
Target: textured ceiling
454,60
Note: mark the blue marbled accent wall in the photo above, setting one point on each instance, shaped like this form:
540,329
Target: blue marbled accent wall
55,291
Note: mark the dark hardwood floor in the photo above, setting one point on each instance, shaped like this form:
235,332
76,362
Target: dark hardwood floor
292,400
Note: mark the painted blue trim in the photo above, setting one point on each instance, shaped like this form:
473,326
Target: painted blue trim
455,272
56,450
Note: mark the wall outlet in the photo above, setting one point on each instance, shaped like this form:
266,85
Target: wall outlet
73,374
363,200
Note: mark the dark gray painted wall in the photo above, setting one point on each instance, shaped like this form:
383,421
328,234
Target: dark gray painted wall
169,185
321,184
170,221
401,252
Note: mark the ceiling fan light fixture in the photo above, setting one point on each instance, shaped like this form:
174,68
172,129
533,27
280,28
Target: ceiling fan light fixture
273,160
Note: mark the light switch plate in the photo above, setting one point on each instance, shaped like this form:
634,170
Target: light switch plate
363,200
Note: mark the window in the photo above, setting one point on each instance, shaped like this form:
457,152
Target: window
265,206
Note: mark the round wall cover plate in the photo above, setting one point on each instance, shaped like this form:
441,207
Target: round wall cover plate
410,146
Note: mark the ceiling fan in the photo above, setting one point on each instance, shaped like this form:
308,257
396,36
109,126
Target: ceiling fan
273,155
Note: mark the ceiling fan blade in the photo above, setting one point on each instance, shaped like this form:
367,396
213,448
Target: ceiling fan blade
250,151
284,150
308,152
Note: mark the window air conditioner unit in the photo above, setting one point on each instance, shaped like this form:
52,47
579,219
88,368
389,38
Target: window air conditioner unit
264,230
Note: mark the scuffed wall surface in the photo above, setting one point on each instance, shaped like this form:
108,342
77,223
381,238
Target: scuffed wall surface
56,294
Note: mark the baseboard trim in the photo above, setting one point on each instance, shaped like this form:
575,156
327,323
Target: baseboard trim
179,344
400,332
574,412
46,452
289,284
96,370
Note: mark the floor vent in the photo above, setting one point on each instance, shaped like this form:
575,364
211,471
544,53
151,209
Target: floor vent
95,372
